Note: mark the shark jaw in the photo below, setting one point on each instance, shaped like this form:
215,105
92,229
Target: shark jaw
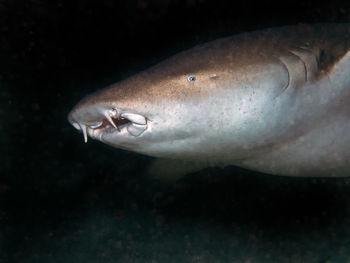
106,124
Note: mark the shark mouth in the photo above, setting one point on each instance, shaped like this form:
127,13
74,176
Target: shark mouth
125,123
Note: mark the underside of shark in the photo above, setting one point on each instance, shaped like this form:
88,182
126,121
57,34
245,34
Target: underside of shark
275,101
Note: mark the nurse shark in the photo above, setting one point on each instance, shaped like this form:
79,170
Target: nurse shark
275,101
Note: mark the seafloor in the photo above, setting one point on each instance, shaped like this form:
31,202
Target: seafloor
65,201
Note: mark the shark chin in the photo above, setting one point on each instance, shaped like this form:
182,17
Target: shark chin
275,101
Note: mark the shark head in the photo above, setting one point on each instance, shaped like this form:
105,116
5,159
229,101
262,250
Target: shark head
161,112
187,106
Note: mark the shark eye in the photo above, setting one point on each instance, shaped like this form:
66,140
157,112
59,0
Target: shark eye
191,78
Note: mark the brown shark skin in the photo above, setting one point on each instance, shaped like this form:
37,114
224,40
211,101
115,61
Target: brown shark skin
261,100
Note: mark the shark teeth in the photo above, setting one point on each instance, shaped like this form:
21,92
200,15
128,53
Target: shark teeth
84,129
109,114
134,123
110,120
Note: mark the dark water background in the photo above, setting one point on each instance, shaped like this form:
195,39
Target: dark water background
65,201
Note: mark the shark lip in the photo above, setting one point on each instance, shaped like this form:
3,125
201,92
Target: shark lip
107,123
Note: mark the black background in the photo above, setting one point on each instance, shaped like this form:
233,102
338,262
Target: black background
66,201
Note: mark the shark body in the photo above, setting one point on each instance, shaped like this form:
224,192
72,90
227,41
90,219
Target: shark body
275,101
